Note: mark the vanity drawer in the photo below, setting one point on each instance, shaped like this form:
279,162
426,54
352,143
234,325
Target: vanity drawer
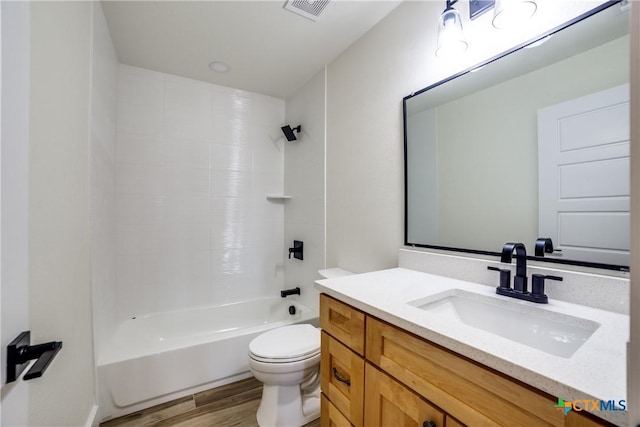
390,403
343,322
475,395
342,378
330,416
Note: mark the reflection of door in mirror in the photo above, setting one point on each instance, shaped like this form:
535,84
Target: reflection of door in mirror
584,176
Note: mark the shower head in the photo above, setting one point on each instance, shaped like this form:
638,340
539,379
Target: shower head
288,132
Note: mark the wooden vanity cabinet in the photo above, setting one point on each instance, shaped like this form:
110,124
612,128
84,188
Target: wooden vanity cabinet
406,381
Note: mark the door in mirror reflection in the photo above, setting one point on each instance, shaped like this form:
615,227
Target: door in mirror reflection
584,176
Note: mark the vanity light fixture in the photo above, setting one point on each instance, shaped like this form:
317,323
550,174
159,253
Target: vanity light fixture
511,13
450,35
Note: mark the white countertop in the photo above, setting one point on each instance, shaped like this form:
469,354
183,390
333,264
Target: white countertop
596,371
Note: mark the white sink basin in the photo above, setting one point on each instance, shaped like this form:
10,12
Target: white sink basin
554,333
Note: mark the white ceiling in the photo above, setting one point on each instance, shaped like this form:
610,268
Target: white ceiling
270,50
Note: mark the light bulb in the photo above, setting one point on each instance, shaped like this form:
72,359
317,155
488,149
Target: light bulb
450,34
510,13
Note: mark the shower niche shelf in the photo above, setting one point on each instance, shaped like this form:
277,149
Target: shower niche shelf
278,197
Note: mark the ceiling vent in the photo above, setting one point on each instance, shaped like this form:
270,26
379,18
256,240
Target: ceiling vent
310,9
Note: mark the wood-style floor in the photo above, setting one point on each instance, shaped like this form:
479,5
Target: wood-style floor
233,405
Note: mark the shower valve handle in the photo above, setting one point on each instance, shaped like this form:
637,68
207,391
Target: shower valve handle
296,250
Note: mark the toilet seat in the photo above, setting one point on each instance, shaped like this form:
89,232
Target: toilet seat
286,344
284,360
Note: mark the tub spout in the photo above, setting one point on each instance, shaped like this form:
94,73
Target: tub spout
286,292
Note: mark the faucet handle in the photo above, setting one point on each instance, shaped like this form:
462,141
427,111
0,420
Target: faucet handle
505,276
537,286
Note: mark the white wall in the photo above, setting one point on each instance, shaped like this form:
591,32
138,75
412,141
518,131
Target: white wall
59,263
102,153
194,163
365,87
304,181
14,292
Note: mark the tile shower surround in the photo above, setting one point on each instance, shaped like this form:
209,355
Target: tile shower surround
194,162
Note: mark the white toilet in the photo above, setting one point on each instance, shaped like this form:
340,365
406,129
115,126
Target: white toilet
287,361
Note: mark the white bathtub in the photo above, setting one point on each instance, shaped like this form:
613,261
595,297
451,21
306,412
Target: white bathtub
158,357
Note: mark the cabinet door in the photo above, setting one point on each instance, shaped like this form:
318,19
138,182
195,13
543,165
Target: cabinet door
330,416
342,378
390,404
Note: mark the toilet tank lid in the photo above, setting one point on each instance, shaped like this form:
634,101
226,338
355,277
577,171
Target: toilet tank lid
287,342
330,273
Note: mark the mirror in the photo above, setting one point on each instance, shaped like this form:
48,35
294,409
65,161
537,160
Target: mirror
532,144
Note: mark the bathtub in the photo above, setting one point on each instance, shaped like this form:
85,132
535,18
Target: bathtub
159,357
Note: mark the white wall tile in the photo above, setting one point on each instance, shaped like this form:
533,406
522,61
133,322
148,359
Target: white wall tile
229,183
230,260
302,210
187,209
140,208
231,157
188,231
186,182
232,209
138,238
140,119
231,117
268,181
185,238
188,124
140,149
231,235
187,153
139,87
141,179
187,271
188,95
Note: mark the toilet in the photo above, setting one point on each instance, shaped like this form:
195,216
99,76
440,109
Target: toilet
287,361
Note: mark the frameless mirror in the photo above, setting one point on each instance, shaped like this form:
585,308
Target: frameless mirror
532,144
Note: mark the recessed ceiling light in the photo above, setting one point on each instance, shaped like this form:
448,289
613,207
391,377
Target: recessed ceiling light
219,67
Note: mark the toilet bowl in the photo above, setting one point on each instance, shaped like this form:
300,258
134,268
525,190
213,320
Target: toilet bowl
287,361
